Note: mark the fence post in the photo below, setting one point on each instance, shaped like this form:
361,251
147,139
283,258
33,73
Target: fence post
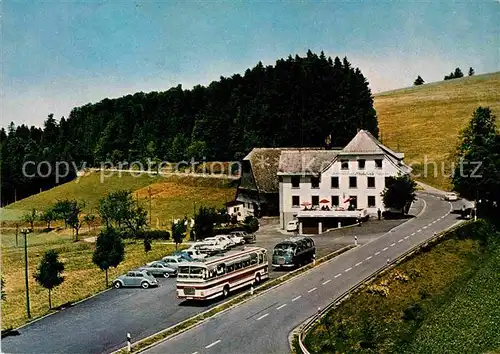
129,344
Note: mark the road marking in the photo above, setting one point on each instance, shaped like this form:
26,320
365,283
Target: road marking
377,253
338,275
399,241
434,221
326,282
385,249
407,237
214,343
296,298
311,290
348,269
357,264
419,230
393,244
195,353
425,227
280,307
368,258
261,317
412,234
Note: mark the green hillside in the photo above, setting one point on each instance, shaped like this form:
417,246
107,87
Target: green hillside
424,121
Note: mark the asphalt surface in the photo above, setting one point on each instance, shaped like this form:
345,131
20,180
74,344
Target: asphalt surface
100,324
263,324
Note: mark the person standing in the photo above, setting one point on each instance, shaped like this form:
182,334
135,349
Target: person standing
379,213
355,240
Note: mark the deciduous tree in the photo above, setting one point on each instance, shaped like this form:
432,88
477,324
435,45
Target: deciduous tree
109,251
399,193
49,272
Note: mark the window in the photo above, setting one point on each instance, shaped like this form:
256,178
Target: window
361,164
378,163
335,182
371,201
371,182
295,201
353,183
295,182
344,164
335,201
315,200
314,182
353,202
261,258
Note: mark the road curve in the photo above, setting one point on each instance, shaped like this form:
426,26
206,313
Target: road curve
263,324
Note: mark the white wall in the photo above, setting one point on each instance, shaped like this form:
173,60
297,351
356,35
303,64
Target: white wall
305,192
241,210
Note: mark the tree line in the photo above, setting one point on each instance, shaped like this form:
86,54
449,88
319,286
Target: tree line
299,101
456,74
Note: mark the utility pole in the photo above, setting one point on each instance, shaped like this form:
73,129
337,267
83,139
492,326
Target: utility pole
17,232
26,232
149,193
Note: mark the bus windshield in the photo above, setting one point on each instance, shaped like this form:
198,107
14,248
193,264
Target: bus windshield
284,249
191,272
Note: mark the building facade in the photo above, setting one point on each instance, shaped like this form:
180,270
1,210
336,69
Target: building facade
325,189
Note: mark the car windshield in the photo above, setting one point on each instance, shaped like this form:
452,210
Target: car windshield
283,250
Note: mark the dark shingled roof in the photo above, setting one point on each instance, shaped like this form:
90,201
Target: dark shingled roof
265,163
305,162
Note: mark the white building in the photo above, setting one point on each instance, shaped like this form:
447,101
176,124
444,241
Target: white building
239,209
340,186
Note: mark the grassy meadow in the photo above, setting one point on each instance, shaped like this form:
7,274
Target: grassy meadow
424,121
82,277
453,291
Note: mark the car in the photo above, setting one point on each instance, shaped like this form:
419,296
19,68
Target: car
222,242
227,239
292,225
249,238
238,240
451,197
174,260
132,278
160,269
208,247
195,254
182,254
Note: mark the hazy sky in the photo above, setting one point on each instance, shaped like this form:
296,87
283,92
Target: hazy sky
57,55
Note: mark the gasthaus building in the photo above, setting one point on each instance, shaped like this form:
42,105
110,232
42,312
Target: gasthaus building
326,189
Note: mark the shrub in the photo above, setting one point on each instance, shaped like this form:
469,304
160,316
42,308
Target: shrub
251,224
400,276
378,290
413,312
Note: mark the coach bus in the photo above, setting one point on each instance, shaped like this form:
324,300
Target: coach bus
219,276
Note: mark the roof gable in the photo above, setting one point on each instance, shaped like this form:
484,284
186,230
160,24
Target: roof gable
365,142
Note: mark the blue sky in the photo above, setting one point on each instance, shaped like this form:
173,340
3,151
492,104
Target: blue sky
57,55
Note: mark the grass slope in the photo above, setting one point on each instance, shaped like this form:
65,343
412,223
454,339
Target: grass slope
172,196
424,121
456,285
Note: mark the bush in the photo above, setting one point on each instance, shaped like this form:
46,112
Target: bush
413,312
152,235
251,224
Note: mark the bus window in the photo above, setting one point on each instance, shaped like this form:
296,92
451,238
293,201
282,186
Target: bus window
253,258
229,268
261,258
221,269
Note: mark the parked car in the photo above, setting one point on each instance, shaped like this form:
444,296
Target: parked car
182,254
207,247
225,244
140,278
174,260
292,225
227,239
195,254
451,197
249,238
238,240
160,269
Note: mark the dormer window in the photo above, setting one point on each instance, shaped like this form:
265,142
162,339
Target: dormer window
361,164
295,182
344,164
378,163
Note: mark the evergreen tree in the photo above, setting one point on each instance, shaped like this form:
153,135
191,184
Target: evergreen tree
471,71
418,81
109,251
49,272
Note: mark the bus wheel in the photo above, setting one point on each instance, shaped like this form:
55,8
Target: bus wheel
257,279
225,291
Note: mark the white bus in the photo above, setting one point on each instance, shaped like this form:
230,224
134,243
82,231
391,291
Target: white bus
218,276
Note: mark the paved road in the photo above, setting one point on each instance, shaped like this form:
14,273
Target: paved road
263,325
